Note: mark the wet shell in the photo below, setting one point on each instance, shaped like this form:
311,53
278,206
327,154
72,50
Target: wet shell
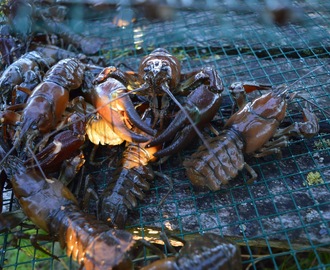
100,132
211,169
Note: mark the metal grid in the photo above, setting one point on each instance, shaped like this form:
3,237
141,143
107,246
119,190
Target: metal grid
281,211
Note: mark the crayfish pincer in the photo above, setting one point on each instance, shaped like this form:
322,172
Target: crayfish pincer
109,97
52,207
253,130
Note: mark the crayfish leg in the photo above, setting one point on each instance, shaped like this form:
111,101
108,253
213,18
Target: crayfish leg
70,168
171,186
10,220
34,238
238,91
252,172
272,147
307,129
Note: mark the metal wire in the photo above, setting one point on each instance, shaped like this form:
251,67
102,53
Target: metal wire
282,210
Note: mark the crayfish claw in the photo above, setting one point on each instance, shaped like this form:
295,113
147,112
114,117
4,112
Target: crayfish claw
179,121
248,87
238,91
113,103
134,117
179,143
201,106
127,134
310,127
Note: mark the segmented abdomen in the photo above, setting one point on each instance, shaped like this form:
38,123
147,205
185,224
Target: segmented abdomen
52,207
89,241
129,183
217,164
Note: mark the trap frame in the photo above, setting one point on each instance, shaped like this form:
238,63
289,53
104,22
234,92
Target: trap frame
286,211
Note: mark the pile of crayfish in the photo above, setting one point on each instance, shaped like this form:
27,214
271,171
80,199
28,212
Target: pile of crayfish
54,102
51,108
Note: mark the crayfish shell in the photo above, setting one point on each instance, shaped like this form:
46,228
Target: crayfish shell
205,252
209,251
216,166
99,132
110,244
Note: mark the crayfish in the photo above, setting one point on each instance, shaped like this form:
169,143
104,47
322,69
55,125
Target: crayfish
51,206
27,70
159,82
157,112
25,19
92,242
252,130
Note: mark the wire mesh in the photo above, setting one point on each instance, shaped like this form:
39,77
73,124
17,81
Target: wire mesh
287,209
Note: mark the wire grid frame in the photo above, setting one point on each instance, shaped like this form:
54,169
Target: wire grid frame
282,211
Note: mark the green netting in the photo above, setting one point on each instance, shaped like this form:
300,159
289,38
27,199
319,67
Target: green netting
282,216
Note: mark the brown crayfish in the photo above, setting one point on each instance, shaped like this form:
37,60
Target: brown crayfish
158,83
252,130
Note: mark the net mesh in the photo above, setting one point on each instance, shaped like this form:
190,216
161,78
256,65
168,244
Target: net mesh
285,213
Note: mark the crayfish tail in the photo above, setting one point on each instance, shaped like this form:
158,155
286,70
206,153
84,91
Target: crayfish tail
211,169
129,183
90,241
122,193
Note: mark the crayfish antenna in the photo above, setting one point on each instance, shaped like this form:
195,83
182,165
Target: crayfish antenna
297,95
283,90
312,103
16,144
36,161
166,89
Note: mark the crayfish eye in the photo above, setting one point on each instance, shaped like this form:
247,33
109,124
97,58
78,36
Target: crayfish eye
157,63
165,65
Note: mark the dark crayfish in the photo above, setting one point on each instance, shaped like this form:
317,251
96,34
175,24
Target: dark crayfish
159,82
19,16
253,130
64,145
27,17
52,207
28,68
205,252
45,107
